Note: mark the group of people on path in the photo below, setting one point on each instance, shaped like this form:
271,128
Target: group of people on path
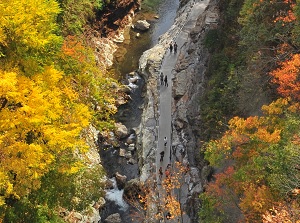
162,154
163,79
173,46
167,172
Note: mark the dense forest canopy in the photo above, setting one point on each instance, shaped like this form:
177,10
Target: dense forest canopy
50,92
252,133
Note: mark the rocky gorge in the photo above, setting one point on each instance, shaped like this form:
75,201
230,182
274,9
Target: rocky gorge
136,147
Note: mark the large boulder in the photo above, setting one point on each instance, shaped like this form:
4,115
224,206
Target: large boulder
100,203
93,215
132,189
113,218
121,180
131,139
142,25
109,184
121,130
206,173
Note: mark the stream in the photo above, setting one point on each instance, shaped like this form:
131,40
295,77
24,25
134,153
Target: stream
130,113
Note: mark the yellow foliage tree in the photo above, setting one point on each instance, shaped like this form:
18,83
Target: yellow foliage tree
27,32
49,92
40,122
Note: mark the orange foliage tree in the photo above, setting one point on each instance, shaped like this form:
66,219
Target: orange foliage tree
259,149
287,77
156,199
287,212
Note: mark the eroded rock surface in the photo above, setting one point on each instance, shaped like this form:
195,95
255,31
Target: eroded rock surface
110,28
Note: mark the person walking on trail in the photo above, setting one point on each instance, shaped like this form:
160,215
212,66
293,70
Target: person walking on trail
171,47
160,172
165,141
167,172
168,216
166,81
161,78
175,47
162,154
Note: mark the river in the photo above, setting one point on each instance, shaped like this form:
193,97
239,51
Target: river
166,11
130,113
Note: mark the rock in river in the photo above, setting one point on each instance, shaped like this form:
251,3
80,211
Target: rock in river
142,25
121,180
113,218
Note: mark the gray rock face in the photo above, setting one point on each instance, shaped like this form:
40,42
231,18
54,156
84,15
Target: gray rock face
206,172
142,25
113,218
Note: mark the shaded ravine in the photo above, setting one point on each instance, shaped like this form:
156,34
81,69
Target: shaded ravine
130,113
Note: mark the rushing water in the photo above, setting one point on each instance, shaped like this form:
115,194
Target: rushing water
130,113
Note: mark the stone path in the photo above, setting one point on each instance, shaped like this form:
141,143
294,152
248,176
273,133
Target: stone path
165,107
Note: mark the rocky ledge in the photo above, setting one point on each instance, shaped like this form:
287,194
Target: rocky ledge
111,27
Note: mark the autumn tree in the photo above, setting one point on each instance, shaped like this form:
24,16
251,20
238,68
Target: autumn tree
257,157
40,126
50,91
155,199
28,34
96,89
283,212
77,14
264,157
287,78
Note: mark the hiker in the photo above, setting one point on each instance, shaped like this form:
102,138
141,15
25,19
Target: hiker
167,172
168,216
166,81
182,151
162,154
160,171
165,141
161,78
187,168
175,47
171,47
174,150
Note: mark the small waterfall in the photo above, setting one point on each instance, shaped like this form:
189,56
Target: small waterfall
115,195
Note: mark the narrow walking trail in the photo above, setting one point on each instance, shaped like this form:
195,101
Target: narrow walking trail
165,107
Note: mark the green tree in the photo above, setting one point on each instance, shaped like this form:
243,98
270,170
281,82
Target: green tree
78,13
